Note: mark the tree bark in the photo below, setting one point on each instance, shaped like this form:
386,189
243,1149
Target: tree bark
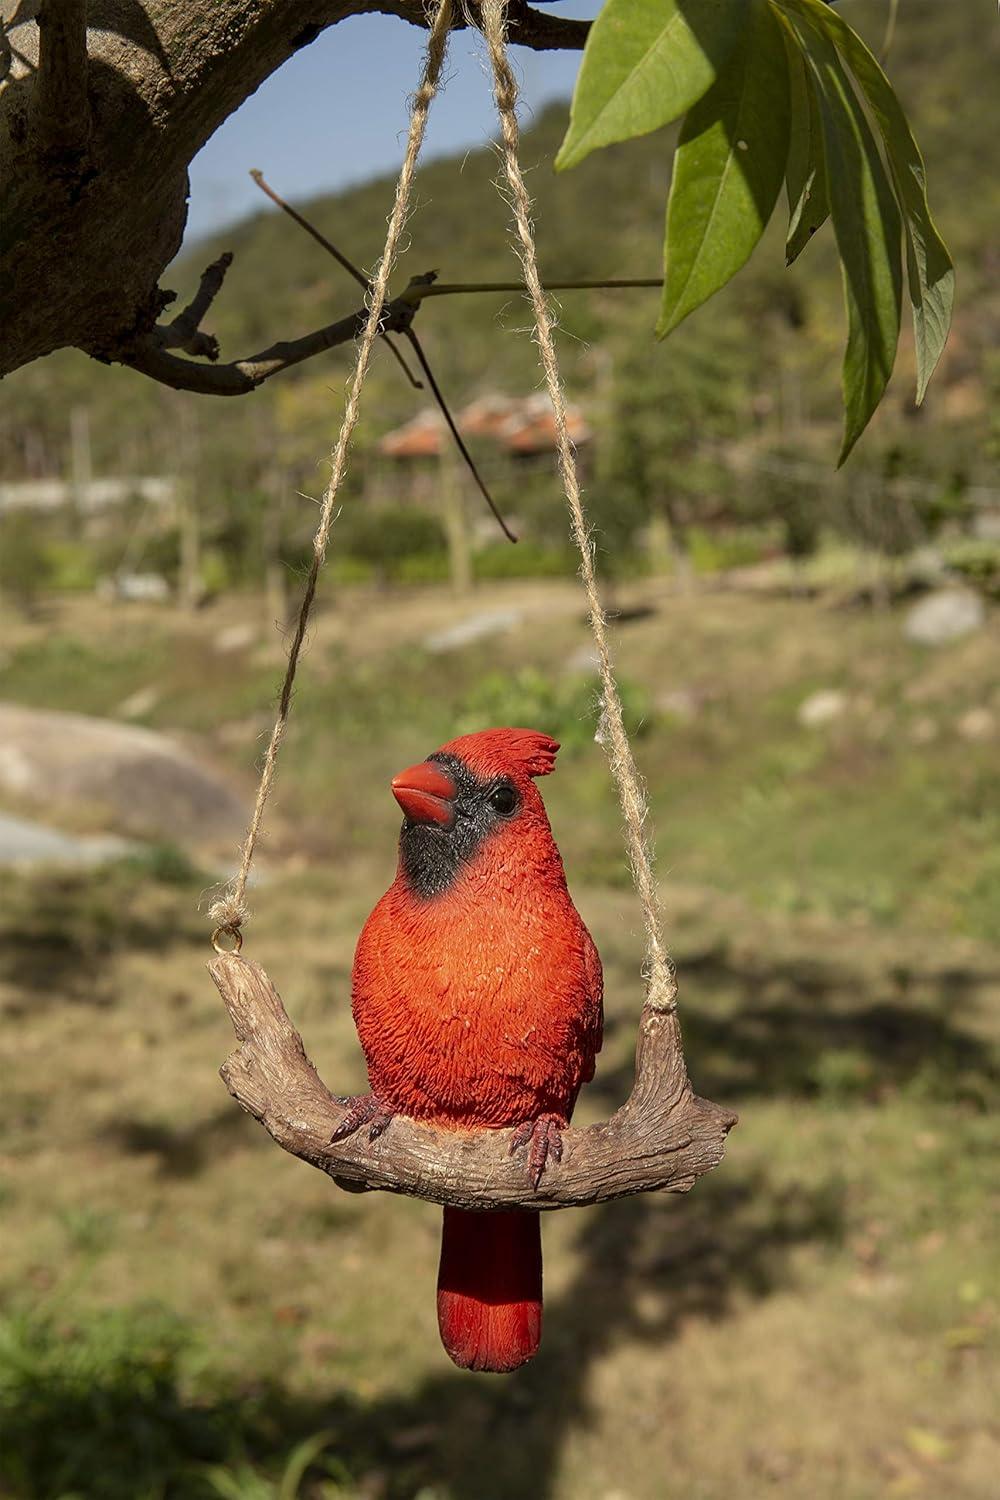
102,107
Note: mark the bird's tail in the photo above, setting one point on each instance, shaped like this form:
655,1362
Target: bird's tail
489,1297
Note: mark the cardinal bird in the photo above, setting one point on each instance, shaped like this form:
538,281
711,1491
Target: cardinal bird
477,994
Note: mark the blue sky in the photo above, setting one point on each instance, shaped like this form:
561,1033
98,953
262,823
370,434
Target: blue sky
336,113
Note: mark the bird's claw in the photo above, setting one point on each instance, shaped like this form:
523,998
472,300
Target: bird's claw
543,1137
362,1109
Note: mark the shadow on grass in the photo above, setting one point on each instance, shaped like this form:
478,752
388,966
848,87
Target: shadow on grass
180,1151
58,929
103,1411
804,1028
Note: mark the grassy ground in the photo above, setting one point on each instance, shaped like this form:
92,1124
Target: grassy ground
182,1304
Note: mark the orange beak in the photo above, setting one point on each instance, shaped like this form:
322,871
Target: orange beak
426,793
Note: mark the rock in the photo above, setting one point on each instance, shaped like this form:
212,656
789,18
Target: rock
582,662
24,844
137,705
923,731
944,615
121,777
680,703
235,638
475,627
978,725
135,588
821,708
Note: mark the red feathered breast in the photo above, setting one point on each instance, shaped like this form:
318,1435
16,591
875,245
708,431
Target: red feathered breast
481,1007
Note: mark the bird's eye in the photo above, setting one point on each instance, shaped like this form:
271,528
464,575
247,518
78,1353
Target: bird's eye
503,799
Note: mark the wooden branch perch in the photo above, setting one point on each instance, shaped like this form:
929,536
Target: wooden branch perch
662,1139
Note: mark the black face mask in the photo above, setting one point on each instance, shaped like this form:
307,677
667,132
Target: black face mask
431,855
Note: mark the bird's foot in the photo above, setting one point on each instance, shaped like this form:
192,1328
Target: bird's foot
543,1138
362,1109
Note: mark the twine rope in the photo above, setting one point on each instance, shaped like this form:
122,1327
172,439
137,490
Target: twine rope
661,983
230,913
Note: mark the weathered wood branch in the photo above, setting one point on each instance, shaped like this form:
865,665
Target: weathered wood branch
97,130
662,1139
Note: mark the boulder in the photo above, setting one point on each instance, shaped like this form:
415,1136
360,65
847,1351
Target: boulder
944,615
113,776
977,725
822,708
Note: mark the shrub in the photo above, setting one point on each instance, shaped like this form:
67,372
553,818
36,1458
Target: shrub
977,560
568,708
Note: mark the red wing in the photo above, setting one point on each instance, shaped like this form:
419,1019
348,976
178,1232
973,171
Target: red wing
594,1033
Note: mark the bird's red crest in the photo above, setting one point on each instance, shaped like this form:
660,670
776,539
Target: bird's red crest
493,751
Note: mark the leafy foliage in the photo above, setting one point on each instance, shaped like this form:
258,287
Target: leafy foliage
645,64
568,708
774,90
728,170
117,1406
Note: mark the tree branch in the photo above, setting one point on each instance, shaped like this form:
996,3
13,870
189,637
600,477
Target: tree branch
339,257
662,1139
97,185
185,330
149,355
526,27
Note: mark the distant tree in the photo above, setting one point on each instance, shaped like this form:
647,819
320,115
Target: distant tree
25,567
383,536
663,465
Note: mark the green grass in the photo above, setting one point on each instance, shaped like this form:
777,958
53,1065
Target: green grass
183,1306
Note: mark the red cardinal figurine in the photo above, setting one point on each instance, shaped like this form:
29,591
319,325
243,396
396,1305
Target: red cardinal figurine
477,996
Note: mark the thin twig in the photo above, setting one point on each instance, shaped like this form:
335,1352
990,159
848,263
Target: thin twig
310,229
339,257
439,398
418,350
890,32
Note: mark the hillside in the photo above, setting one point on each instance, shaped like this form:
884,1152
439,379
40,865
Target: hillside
604,218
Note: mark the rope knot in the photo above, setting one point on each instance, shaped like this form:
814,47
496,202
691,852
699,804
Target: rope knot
661,990
229,914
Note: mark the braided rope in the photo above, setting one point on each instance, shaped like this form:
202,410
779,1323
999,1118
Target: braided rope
230,913
661,983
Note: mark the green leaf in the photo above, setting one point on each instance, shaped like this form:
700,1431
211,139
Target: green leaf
930,273
728,169
868,229
298,1462
645,63
805,172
